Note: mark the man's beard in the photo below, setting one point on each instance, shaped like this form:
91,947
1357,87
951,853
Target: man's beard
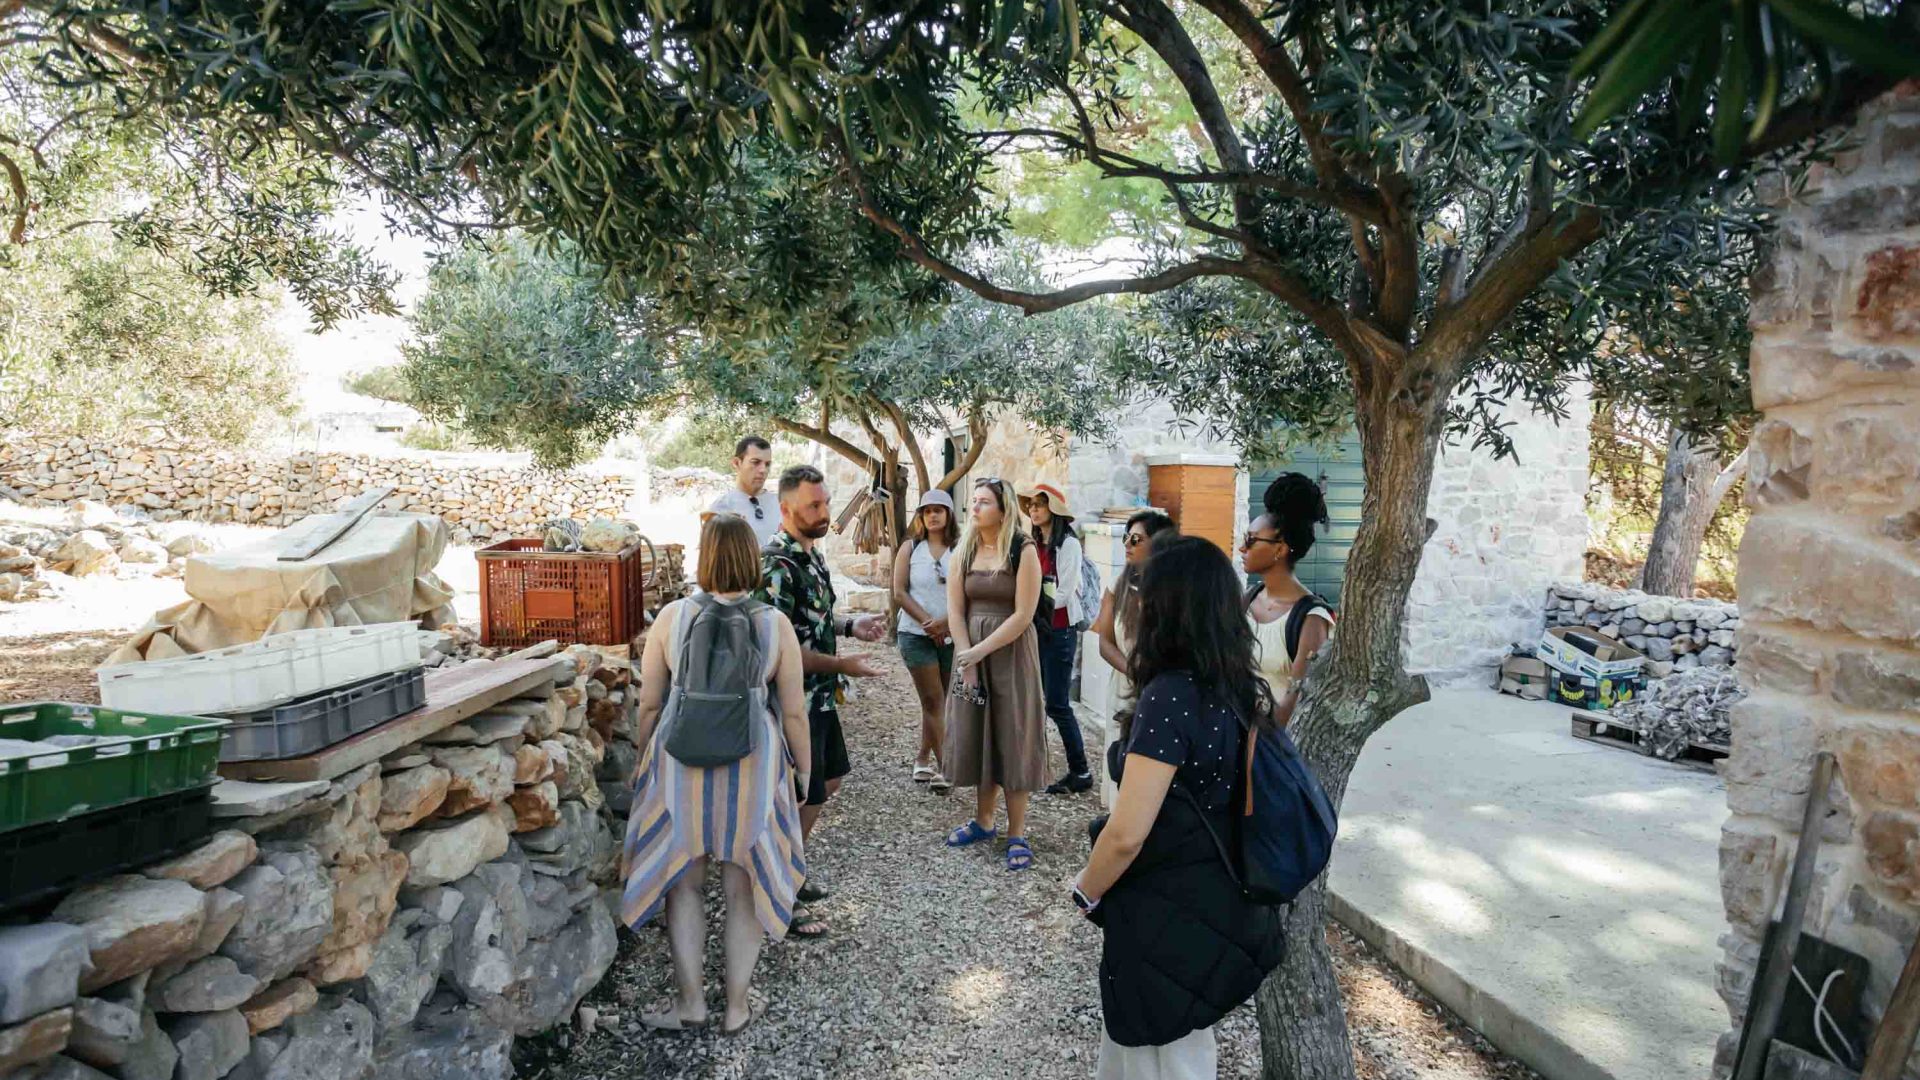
816,530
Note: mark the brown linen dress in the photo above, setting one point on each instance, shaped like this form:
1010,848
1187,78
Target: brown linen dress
1005,741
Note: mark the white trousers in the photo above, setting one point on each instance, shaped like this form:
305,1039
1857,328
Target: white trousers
1193,1056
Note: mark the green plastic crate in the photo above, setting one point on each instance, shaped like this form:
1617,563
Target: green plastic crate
151,754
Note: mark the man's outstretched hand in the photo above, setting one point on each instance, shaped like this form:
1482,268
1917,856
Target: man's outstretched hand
870,627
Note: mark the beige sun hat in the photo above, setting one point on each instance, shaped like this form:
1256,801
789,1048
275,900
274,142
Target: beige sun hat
1056,502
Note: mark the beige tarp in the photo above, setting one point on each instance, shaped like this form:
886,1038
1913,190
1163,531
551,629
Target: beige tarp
381,570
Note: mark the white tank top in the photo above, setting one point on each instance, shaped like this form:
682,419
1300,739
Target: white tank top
927,584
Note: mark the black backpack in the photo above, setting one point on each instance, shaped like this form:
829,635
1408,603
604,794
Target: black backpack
717,698
1296,618
1042,611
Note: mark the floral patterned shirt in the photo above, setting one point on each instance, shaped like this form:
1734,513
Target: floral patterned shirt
798,583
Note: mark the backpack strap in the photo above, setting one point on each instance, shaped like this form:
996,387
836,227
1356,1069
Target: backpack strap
1297,619
1254,589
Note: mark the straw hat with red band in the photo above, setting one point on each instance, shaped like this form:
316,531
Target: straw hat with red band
1056,502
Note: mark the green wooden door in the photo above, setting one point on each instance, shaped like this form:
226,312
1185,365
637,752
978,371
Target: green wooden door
1337,468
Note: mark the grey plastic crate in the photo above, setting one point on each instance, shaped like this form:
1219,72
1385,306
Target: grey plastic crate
314,723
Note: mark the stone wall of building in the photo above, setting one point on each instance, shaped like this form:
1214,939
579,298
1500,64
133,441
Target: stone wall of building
180,480
406,921
1676,634
1830,566
1507,531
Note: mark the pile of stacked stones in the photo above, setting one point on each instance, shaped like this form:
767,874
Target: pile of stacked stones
406,920
93,541
1675,635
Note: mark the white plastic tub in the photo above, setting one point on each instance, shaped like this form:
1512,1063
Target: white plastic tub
261,674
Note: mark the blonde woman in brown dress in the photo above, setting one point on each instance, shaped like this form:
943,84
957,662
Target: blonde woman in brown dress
996,717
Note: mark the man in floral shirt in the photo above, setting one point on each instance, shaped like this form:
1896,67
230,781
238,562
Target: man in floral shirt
798,583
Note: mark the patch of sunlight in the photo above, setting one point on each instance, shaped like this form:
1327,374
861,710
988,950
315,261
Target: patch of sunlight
1421,855
1652,938
1668,804
1546,865
977,991
1448,906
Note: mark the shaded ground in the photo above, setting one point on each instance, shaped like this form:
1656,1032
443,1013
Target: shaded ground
943,964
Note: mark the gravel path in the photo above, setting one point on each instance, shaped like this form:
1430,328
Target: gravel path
941,963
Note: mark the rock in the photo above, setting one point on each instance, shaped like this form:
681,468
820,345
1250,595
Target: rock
242,798
406,966
140,550
548,904
332,1041
88,514
561,971
480,730
278,1003
535,807
479,776
40,968
531,764
63,1068
211,984
187,545
1630,627
1687,662
448,1041
1683,646
224,909
104,1032
1659,649
410,796
1654,609
618,797
1659,669
35,1039
210,1044
340,965
488,936
289,913
1716,656
438,904
451,851
345,831
1723,638
224,854
1713,618
577,843
1666,629
405,759
1637,641
364,895
90,553
132,924
151,1058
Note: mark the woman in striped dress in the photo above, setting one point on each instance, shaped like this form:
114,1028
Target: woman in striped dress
742,815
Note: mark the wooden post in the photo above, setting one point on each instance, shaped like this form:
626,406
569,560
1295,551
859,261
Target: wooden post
1893,1043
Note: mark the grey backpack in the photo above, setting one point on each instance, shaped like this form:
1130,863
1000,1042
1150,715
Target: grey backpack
719,694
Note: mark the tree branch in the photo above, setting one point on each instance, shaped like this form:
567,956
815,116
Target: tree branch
976,445
1156,24
829,440
907,439
16,180
1459,332
1728,477
1280,70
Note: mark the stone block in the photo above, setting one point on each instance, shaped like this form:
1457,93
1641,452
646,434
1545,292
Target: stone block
1777,662
1770,767
1797,568
40,968
289,913
210,1044
1877,680
1747,874
406,966
104,1032
478,776
488,936
347,830
242,798
210,984
1891,841
1883,764
61,1067
1887,304
340,965
451,851
34,1039
332,1041
410,796
278,1003
223,912
1780,464
536,806
132,924
364,895
448,1041
153,1057
225,854
531,764
557,973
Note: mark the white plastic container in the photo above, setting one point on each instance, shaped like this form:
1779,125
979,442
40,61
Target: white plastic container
261,674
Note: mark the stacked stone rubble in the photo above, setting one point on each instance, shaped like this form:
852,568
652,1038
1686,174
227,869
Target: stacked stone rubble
92,541
406,920
1675,634
1830,567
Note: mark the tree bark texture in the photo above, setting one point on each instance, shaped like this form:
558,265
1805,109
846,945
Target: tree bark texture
1688,500
1352,688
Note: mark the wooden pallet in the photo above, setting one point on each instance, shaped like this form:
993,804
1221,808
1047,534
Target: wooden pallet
1598,727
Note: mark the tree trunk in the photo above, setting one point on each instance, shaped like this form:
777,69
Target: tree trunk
1690,492
1352,688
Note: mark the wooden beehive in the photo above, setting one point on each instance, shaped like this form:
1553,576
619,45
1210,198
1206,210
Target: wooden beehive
1198,492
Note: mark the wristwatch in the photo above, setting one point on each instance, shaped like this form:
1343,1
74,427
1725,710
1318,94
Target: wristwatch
1080,900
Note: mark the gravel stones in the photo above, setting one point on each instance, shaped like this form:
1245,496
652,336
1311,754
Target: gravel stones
449,852
289,912
225,854
210,984
132,924
40,968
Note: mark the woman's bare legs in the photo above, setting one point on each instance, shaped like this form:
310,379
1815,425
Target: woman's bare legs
744,938
687,941
983,804
1017,813
933,703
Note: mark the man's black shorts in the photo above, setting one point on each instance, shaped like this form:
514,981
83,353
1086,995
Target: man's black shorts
830,760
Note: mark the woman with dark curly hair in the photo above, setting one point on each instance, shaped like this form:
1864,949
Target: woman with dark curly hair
1290,623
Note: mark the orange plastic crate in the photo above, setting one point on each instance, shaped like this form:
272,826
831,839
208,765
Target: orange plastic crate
576,597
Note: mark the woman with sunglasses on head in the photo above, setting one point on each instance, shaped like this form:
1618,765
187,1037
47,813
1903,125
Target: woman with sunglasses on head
926,644
1289,622
996,738
1182,943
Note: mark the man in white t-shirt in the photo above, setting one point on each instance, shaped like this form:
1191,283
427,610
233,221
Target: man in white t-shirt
748,497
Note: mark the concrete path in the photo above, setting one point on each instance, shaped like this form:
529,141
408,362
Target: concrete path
1562,897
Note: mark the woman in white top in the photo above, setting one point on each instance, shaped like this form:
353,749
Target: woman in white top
920,591
1120,604
1275,543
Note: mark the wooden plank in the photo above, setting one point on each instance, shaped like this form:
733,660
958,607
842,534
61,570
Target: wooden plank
326,528
1599,727
453,694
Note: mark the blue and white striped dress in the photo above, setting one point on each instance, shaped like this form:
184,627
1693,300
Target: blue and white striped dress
744,813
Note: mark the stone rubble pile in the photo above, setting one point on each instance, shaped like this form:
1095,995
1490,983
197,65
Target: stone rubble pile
93,541
173,479
701,485
406,921
1676,635
1684,708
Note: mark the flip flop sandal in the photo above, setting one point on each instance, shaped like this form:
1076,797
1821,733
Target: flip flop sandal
809,893
803,917
940,785
668,1019
755,1010
969,834
1019,855
923,774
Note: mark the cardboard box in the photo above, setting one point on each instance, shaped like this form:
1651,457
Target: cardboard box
1609,658
1594,694
1532,691
1524,667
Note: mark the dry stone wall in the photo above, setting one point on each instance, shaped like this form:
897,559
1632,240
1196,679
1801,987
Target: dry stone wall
1830,567
1676,634
172,480
406,921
